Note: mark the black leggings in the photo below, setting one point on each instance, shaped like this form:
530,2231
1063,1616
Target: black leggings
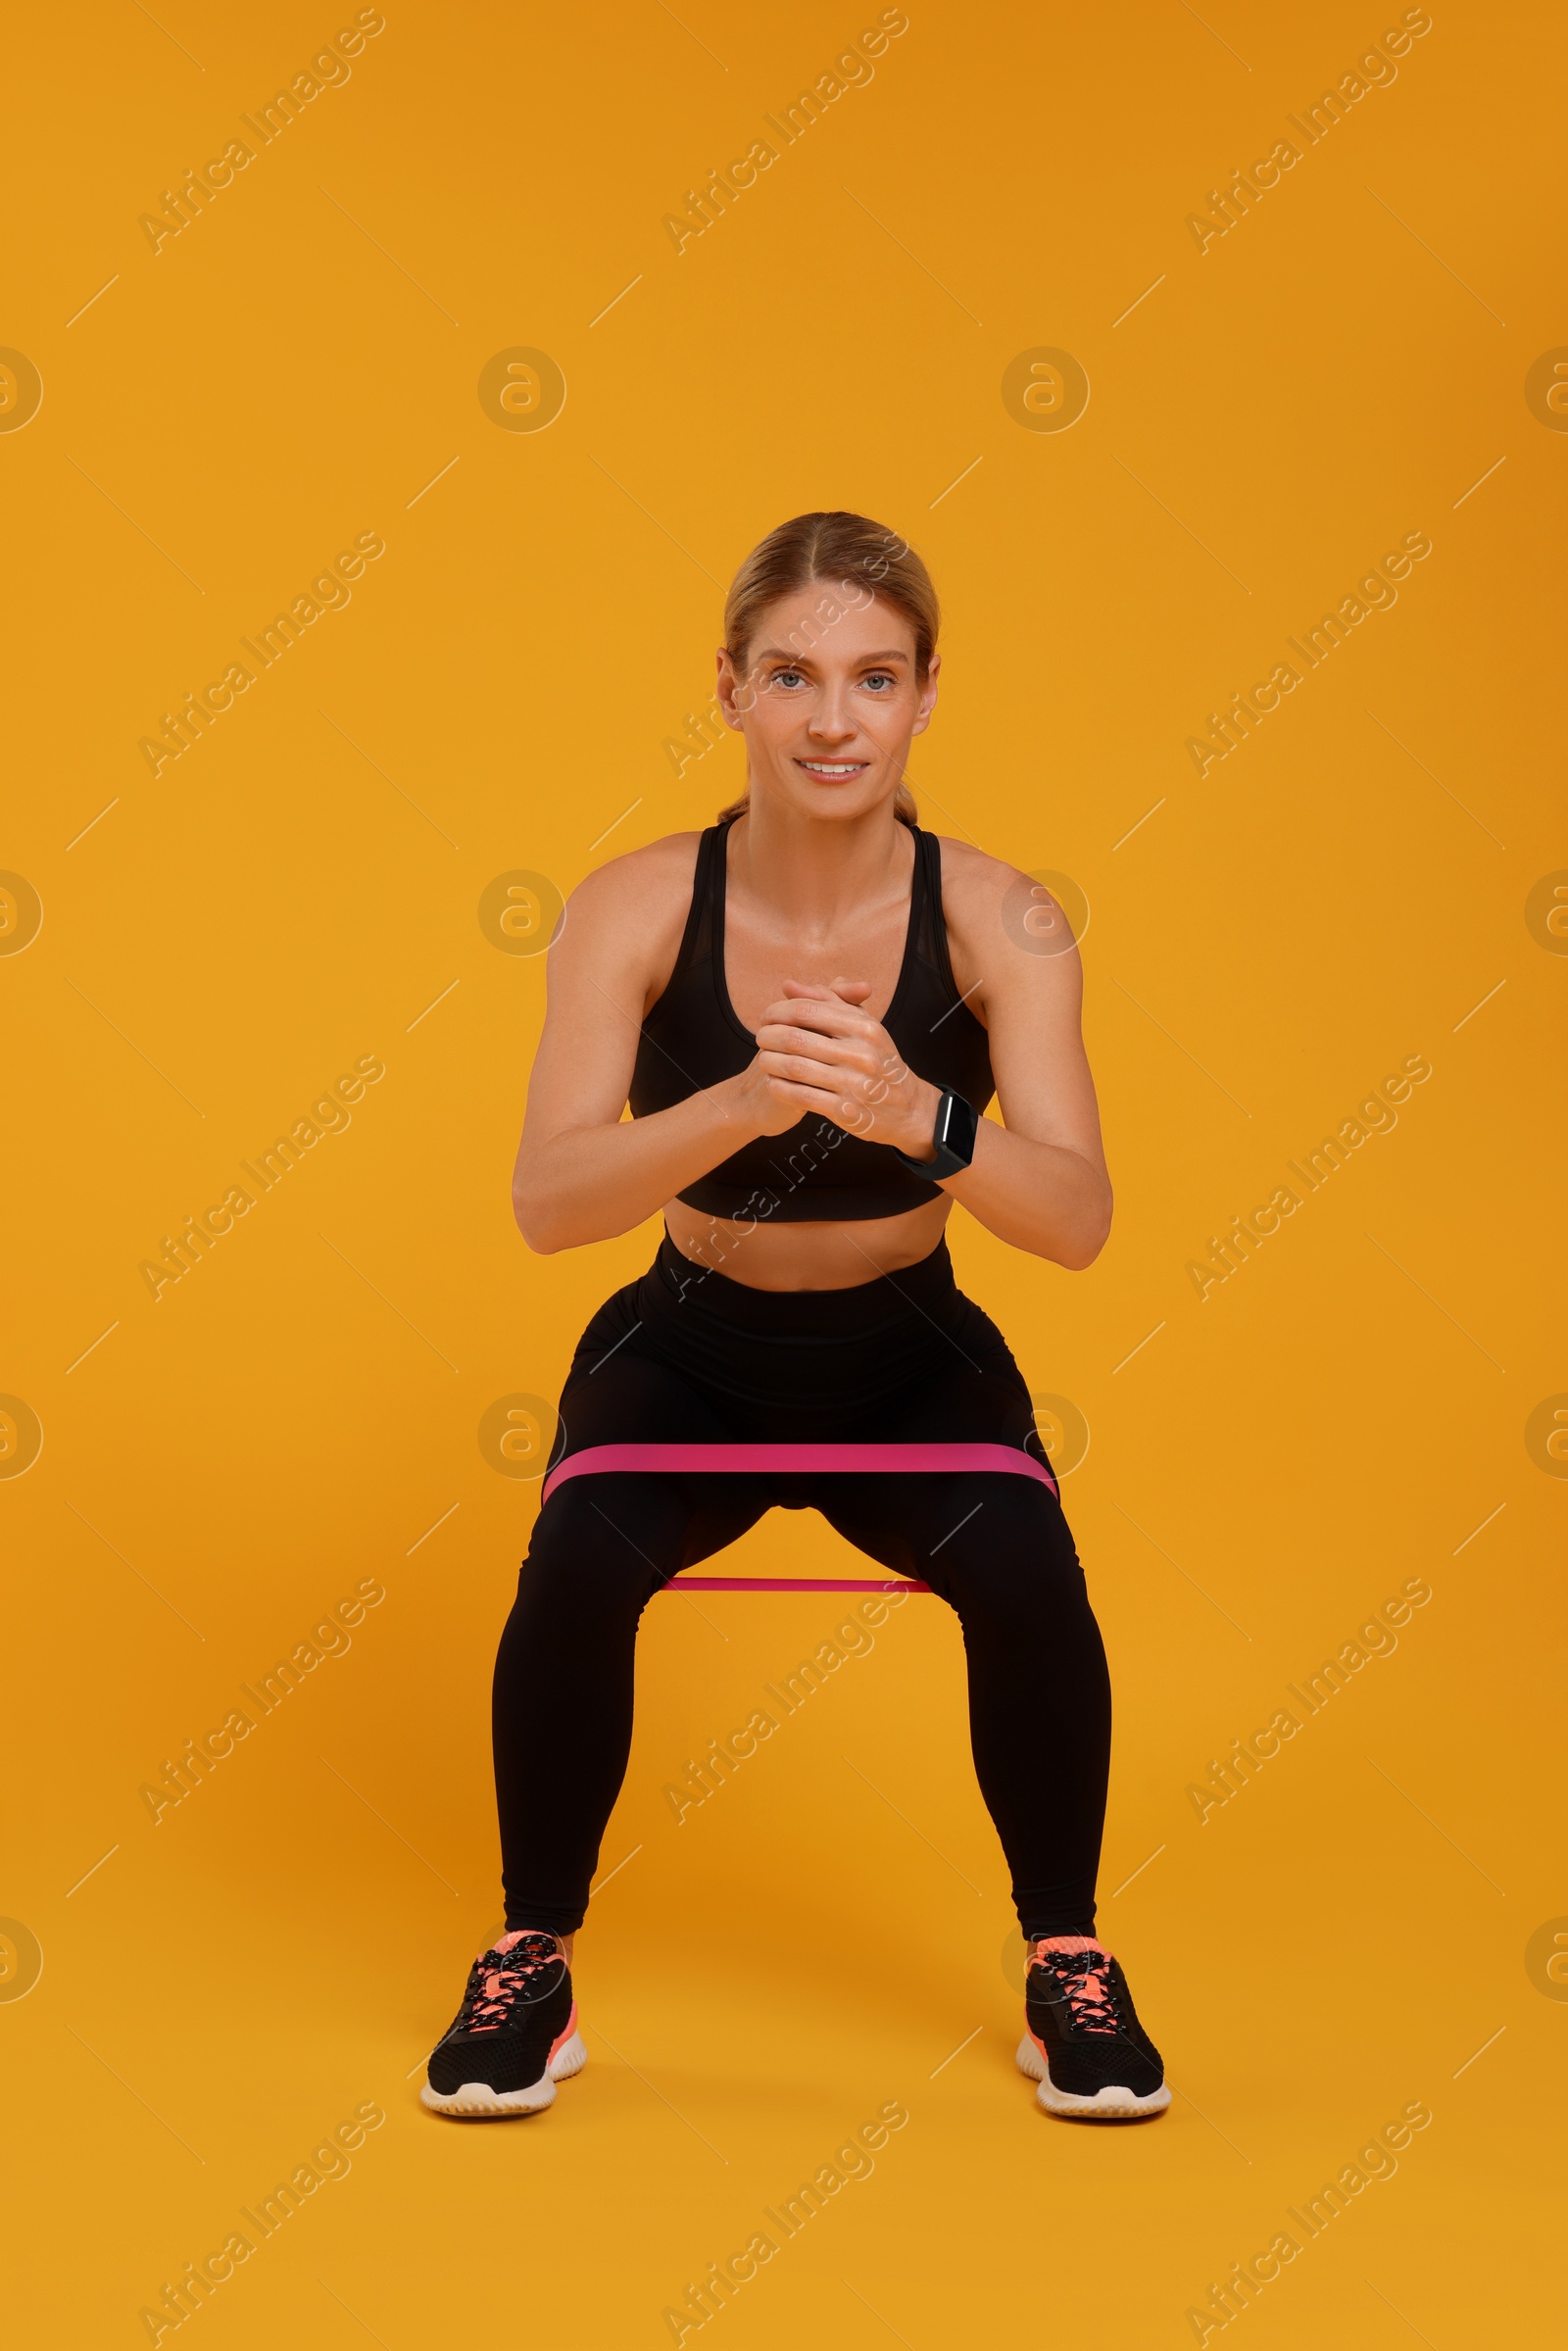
686,1357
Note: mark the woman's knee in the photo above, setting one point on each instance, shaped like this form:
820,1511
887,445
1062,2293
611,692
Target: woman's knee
598,1550
1013,1557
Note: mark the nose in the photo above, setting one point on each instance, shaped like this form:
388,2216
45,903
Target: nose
831,721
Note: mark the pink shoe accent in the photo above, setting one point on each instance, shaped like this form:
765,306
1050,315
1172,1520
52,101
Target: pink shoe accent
503,1981
513,1936
561,2038
1086,1989
928,1459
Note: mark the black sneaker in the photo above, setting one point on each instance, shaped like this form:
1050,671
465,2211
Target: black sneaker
515,2036
1084,2045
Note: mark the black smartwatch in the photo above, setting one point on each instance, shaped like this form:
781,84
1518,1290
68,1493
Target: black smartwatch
956,1127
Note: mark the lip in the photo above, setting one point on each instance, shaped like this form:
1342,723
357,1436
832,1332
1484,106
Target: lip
841,771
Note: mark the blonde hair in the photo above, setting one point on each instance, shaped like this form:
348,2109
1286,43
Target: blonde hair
832,547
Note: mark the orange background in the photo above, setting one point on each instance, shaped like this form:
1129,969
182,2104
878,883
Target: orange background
300,889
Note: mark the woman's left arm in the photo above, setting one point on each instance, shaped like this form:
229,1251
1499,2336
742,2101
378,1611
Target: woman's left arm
1038,1181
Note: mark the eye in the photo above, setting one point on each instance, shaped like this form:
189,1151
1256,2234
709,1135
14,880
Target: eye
880,679
787,678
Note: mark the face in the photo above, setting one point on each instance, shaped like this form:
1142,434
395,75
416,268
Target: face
829,701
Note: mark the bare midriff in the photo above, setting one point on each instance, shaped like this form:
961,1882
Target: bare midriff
807,1256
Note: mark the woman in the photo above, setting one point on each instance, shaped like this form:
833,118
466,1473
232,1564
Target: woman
807,1006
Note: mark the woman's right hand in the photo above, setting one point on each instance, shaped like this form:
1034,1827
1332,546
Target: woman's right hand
751,1099
761,1099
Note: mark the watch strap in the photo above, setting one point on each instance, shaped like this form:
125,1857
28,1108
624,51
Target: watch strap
957,1126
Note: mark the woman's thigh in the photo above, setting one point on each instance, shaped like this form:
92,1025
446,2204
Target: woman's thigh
973,1394
986,1541
636,1528
992,1539
934,1527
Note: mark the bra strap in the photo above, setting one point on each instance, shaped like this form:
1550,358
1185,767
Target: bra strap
698,915
932,934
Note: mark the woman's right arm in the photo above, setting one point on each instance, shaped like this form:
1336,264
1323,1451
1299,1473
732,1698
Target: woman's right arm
584,1172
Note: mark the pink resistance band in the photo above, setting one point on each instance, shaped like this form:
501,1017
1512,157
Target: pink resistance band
808,1459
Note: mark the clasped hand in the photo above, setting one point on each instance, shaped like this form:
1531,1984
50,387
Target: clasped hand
818,1052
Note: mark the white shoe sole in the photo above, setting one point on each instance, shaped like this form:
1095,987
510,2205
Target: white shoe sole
1112,2104
478,2102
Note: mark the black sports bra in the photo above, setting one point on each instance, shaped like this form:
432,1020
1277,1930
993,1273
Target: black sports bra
814,1172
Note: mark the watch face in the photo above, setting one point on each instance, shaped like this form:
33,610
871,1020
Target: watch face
956,1127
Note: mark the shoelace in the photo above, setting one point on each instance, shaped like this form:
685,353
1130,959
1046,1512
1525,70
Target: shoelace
501,1978
1085,1980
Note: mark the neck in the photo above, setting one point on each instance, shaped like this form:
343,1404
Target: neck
814,870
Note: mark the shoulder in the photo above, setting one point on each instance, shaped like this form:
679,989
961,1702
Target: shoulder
640,894
999,917
641,878
981,893
628,915
974,883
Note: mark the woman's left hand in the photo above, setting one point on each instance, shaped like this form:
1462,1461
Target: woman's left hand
821,1052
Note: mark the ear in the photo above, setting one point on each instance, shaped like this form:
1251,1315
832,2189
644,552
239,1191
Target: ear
928,696
735,695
